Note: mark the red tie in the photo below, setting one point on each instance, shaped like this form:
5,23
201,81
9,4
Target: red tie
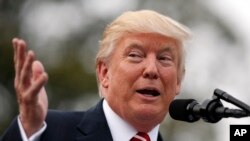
140,136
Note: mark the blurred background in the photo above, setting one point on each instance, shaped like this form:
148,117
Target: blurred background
65,34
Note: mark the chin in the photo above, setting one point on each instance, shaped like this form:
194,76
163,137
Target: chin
150,113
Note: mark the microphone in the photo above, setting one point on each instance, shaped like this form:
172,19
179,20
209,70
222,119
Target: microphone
212,111
225,96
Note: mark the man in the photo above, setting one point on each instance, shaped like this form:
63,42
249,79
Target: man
139,66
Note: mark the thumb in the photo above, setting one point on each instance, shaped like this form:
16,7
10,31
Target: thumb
37,69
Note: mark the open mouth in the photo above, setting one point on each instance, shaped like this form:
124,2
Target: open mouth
148,92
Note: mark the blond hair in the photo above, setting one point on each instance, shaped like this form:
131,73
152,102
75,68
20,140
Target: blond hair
144,21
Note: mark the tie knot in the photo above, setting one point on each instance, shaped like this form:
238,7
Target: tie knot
141,136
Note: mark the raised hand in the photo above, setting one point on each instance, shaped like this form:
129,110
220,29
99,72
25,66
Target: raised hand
30,78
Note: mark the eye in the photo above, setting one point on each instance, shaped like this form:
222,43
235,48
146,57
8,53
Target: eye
166,59
163,58
135,56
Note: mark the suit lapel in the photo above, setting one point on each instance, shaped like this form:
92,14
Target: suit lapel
159,137
93,126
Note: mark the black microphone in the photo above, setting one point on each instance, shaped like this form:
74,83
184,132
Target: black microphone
212,111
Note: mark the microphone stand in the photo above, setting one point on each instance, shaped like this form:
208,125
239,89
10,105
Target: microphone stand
213,111
225,96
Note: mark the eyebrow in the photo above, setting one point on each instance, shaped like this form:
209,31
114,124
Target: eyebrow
166,48
134,45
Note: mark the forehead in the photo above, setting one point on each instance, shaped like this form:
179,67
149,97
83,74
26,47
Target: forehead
148,40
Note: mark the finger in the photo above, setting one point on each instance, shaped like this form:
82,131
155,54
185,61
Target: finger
26,73
37,69
14,45
37,85
21,54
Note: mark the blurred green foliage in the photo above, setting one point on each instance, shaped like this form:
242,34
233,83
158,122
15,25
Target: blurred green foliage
8,29
67,80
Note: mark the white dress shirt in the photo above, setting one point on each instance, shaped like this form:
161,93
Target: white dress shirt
120,129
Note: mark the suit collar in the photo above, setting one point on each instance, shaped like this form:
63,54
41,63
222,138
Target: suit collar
94,125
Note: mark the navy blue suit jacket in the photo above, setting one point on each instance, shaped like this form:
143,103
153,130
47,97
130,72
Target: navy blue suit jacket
70,126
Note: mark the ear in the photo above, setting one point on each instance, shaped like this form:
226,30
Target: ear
179,81
178,88
102,72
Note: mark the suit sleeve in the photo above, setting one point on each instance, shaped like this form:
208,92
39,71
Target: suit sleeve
12,133
15,132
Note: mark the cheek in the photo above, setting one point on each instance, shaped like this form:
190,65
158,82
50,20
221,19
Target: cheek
170,84
122,83
126,74
121,80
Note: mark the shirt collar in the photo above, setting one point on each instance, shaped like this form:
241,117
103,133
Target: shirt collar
120,129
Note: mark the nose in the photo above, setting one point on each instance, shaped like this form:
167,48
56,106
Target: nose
151,70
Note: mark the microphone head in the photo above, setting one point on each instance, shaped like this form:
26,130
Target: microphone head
182,109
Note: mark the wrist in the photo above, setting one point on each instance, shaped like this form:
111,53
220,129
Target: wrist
30,127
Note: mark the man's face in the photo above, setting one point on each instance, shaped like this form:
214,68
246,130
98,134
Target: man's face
140,80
